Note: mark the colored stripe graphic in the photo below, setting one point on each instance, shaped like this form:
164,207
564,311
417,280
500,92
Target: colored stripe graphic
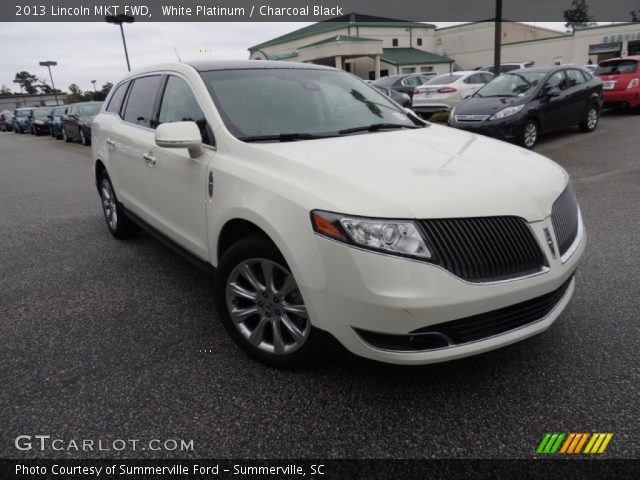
572,443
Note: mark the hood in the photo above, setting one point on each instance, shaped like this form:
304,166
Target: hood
489,105
433,172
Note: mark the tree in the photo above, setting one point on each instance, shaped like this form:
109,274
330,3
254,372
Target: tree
27,80
76,93
4,90
106,88
635,15
578,16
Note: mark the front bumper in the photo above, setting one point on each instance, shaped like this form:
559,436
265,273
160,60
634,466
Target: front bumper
394,296
504,129
630,97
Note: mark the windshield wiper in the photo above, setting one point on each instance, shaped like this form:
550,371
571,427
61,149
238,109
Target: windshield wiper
374,127
282,137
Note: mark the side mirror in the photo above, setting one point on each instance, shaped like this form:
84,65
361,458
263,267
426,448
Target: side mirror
550,92
180,135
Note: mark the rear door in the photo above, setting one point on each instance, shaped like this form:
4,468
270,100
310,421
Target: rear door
132,137
579,95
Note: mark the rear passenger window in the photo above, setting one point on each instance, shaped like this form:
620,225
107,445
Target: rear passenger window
116,99
574,77
139,109
180,105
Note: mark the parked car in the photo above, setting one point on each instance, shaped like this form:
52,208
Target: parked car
39,121
521,105
331,212
444,92
56,121
401,98
405,83
508,67
6,121
76,124
621,81
21,119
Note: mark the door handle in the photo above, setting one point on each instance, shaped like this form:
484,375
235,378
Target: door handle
150,159
110,142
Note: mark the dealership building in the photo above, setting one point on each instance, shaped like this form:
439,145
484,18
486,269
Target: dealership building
371,47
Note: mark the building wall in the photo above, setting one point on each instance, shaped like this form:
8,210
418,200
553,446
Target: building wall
18,101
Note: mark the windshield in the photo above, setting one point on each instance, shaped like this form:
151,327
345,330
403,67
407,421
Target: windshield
444,79
619,66
58,112
511,85
22,113
91,109
284,101
41,113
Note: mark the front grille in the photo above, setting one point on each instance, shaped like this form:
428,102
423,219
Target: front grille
471,118
485,248
469,329
564,216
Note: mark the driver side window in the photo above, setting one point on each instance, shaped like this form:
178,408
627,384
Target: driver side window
556,81
180,105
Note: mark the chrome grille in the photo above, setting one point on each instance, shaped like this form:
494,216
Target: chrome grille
471,118
564,216
485,248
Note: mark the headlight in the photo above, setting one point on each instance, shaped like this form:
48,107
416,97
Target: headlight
507,112
399,237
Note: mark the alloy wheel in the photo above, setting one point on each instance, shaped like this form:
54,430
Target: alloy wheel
592,118
109,204
266,306
530,134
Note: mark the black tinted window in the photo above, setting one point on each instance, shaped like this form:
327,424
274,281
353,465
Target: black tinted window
116,99
180,105
574,77
139,108
557,81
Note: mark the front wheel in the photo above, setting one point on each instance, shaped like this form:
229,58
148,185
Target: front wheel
66,137
261,305
590,122
529,134
83,138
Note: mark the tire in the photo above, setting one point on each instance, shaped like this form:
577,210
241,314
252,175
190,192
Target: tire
83,139
253,276
590,122
529,134
120,226
66,137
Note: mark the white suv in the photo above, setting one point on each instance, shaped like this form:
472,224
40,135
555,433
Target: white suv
327,211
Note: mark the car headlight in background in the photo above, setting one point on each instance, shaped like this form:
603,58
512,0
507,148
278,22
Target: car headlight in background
399,237
506,112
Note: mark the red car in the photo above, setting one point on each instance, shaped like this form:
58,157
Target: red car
621,81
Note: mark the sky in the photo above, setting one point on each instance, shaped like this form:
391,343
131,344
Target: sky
94,51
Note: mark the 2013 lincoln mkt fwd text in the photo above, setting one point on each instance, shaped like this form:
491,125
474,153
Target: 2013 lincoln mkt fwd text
326,209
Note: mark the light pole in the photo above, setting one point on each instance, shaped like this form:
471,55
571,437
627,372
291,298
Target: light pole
497,44
50,64
119,20
95,92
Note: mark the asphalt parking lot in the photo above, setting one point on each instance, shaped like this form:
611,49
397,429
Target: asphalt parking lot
107,339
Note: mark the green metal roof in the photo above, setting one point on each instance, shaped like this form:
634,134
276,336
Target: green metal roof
342,38
411,56
339,23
